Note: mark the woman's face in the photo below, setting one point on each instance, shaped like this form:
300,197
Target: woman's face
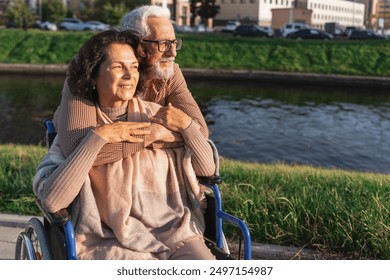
118,76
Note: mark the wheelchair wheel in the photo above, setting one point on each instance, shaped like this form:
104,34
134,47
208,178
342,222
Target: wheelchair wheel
33,243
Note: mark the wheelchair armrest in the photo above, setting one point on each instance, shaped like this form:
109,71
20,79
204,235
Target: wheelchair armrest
58,218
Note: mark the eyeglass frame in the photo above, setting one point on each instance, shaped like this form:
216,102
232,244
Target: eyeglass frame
158,42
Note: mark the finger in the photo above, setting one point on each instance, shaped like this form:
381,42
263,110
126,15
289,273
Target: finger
136,125
140,132
134,139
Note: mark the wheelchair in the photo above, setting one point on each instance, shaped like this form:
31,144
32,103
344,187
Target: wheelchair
54,238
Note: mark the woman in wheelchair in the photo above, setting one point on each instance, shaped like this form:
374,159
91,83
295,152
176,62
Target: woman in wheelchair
147,205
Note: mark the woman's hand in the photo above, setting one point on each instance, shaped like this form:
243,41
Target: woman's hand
123,131
172,118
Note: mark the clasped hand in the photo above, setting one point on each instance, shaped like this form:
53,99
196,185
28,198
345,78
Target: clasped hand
172,118
166,124
123,131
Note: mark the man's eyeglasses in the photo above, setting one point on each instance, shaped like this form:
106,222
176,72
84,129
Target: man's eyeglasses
165,45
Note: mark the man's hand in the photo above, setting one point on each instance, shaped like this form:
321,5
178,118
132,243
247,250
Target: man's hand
159,132
172,118
123,131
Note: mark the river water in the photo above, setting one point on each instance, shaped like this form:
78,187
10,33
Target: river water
328,127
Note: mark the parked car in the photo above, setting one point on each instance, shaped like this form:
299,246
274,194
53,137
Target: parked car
333,28
10,24
231,26
292,27
348,30
268,29
365,35
310,33
183,29
73,24
250,30
97,25
47,25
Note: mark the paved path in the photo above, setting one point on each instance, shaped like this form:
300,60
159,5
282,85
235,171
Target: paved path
8,237
10,227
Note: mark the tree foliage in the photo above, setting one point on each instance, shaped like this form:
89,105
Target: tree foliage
18,11
53,10
111,11
206,9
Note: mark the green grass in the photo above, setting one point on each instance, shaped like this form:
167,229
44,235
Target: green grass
333,211
17,168
219,51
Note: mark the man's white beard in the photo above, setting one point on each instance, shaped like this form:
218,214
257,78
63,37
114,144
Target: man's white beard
164,73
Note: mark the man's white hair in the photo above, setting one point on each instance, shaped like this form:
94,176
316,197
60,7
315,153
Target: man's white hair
135,20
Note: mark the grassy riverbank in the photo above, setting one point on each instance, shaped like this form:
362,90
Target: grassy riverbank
368,58
333,211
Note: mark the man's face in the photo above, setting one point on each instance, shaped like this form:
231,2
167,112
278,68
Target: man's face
160,64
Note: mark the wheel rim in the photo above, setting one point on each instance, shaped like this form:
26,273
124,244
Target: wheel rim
36,233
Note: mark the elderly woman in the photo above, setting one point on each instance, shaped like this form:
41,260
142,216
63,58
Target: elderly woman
147,205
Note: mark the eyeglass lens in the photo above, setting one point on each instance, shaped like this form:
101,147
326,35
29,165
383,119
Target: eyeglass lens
164,46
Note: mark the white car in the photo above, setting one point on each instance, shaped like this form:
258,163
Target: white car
268,29
74,24
48,26
292,27
230,26
97,25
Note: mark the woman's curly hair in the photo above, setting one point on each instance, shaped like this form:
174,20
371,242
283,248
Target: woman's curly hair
84,67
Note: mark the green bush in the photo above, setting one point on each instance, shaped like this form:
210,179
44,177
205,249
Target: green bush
219,51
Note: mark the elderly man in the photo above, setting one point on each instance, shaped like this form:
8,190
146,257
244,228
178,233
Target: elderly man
163,78
162,82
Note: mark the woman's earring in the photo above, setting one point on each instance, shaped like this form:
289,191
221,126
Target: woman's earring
94,87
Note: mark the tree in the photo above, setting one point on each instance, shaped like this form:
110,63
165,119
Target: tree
18,11
111,11
206,9
53,10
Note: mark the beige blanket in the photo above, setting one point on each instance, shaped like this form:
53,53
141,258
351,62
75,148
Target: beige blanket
148,204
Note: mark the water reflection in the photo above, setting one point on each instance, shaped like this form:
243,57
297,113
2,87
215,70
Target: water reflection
327,127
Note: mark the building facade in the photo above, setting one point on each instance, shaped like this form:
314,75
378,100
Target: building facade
346,13
180,9
381,15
